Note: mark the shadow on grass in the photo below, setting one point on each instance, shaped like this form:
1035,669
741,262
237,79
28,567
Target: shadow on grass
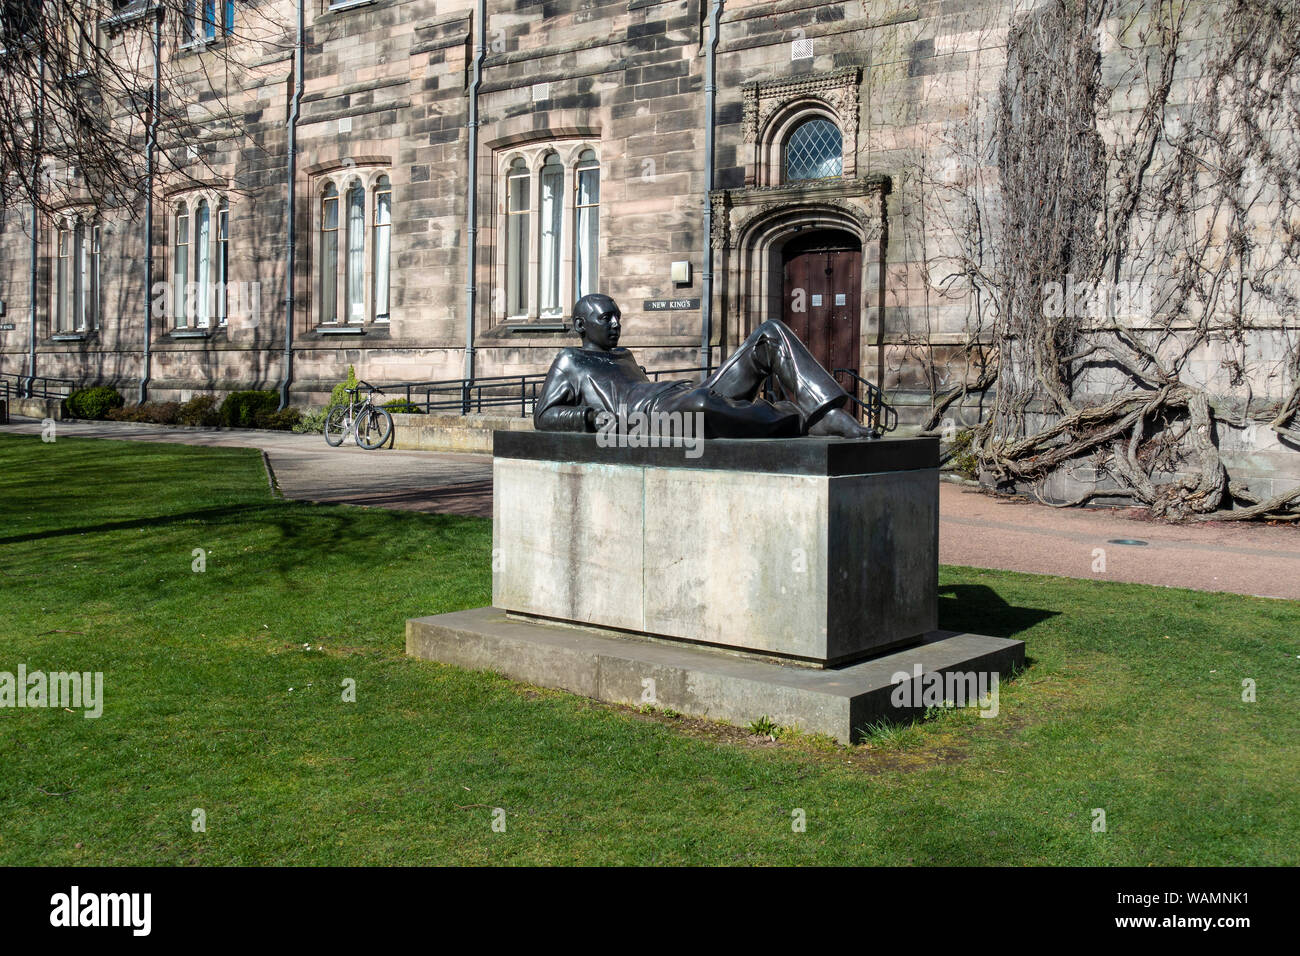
202,514
305,529
978,609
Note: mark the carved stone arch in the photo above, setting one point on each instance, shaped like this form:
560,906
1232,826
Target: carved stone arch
775,218
751,228
768,107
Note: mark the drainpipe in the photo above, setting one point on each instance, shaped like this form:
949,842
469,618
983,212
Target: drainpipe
471,195
291,235
36,221
151,144
706,274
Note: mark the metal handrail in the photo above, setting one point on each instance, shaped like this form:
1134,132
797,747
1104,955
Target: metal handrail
38,386
880,415
465,396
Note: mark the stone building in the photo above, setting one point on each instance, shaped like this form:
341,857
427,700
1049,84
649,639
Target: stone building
832,123
590,172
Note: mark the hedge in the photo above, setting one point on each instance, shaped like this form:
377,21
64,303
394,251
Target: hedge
93,403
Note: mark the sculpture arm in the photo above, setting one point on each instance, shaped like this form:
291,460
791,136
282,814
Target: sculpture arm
557,408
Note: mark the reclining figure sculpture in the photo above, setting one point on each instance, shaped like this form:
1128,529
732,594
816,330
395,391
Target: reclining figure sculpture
588,384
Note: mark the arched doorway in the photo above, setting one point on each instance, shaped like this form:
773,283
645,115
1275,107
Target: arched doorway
822,282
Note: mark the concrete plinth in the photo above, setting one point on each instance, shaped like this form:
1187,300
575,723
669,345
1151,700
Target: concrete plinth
817,550
708,682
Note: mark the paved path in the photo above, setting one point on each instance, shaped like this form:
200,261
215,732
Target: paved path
974,529
308,469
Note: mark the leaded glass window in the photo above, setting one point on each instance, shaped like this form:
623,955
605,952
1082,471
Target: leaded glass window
814,151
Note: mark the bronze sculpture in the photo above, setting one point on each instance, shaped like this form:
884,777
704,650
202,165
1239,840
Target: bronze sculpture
599,379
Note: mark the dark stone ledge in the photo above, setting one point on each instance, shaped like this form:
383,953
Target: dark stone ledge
823,457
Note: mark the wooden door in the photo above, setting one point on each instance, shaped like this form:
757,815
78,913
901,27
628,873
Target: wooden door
821,301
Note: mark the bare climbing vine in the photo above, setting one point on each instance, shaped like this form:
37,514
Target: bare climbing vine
1128,233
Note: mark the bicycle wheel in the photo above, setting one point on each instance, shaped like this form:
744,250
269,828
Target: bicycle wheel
374,428
336,425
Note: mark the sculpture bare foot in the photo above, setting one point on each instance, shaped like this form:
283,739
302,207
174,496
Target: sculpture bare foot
840,423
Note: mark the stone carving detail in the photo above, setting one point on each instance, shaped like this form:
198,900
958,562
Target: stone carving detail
869,223
837,91
721,238
735,210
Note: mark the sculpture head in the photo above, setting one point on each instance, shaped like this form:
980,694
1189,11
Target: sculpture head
597,319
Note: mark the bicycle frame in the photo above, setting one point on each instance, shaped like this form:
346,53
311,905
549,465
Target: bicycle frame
357,411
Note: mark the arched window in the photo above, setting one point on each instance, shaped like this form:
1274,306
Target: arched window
550,181
203,22
547,220
586,224
199,261
91,317
518,205
76,275
356,264
814,150
202,263
383,238
63,280
223,258
355,233
181,265
329,254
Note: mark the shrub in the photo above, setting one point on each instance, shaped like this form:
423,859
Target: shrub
400,406
963,460
94,402
340,396
312,421
159,413
200,410
283,420
242,409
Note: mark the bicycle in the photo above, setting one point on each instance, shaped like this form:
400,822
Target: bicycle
371,425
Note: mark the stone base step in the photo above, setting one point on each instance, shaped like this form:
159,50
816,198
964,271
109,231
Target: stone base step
705,682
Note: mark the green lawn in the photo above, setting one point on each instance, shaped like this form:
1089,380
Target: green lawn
223,692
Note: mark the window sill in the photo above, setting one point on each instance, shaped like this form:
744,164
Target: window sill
348,5
525,328
340,330
199,45
190,333
71,336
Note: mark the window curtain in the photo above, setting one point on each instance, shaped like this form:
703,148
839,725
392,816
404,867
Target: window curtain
181,265
383,233
87,280
552,197
329,256
61,285
586,231
202,266
356,253
517,240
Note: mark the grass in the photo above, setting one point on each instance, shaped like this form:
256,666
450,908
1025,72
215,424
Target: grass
224,692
